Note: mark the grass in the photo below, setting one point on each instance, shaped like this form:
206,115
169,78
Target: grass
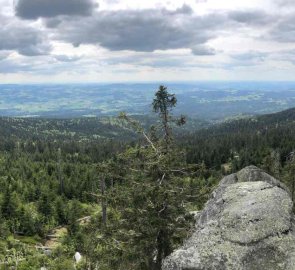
29,240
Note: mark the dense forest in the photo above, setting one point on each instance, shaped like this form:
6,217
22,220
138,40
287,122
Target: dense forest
121,191
245,141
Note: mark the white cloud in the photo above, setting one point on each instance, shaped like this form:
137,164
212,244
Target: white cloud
147,40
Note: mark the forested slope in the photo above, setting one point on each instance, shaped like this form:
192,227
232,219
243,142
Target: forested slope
244,141
51,172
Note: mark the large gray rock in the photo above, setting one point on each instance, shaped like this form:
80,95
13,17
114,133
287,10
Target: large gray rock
246,225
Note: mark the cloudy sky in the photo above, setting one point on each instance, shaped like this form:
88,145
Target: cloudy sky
146,40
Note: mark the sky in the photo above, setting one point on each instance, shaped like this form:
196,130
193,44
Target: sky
148,40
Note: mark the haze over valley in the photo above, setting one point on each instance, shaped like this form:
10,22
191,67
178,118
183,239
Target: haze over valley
202,100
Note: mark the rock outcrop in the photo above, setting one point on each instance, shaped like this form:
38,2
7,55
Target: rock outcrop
246,225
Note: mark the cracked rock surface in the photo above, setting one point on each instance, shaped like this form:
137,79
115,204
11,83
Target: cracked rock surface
246,225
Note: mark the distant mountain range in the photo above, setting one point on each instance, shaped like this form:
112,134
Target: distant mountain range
203,100
93,128
254,124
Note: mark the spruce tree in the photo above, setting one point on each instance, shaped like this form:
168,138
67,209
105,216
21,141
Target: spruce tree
148,215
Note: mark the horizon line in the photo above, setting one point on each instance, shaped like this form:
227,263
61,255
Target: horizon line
149,82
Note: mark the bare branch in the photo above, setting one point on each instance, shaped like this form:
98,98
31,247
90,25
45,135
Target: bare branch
150,142
163,209
138,128
161,180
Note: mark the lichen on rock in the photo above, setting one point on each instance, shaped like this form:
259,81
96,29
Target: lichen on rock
246,225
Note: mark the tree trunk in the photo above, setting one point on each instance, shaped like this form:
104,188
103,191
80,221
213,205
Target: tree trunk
163,249
159,257
166,127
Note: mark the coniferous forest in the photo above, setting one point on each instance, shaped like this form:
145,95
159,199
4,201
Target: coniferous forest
123,199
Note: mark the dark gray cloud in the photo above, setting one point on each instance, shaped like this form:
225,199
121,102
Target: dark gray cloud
251,17
23,39
185,9
145,30
155,29
33,9
142,30
284,30
203,50
53,22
